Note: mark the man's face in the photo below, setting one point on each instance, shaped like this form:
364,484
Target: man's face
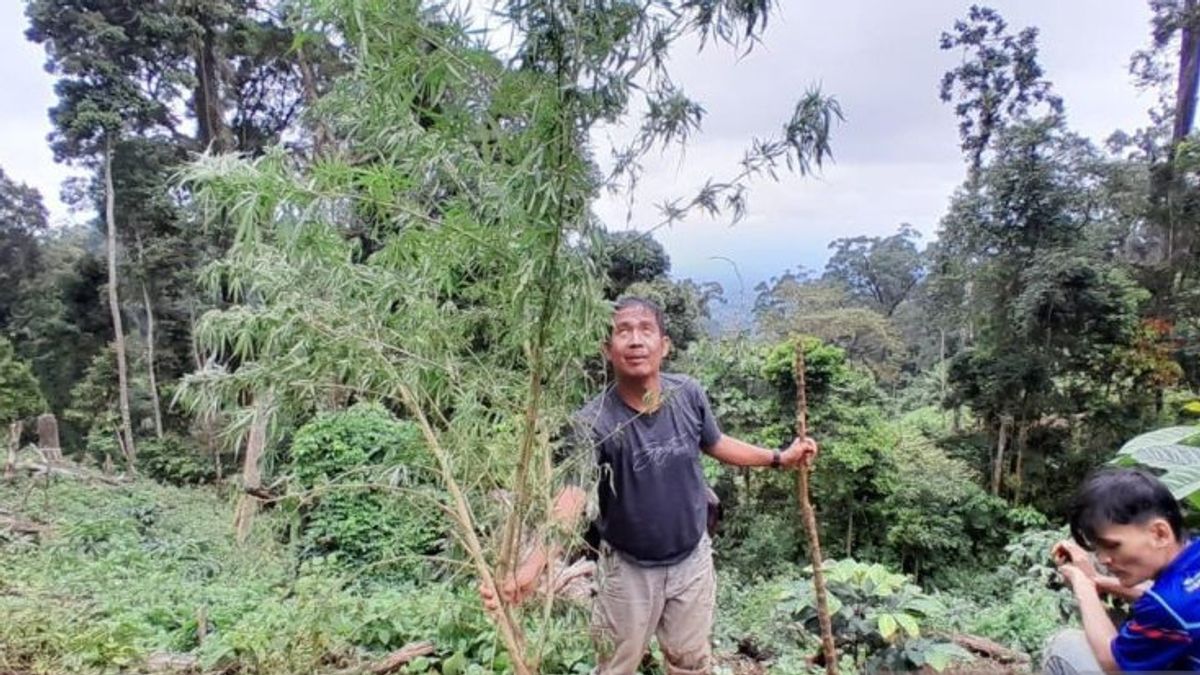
1135,553
636,348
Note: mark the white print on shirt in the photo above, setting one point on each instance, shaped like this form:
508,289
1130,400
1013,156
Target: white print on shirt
657,454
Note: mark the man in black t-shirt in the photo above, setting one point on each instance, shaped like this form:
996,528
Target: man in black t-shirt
646,433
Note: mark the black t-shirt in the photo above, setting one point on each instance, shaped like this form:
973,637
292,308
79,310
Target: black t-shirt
652,493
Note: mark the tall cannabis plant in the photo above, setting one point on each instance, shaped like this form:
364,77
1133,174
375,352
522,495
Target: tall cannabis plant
434,258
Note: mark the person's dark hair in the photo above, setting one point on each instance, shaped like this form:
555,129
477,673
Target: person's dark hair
1121,497
633,301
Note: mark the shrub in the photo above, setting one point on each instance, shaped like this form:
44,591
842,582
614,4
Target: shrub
365,491
174,460
877,617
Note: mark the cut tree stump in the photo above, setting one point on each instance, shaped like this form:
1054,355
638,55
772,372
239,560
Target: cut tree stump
47,430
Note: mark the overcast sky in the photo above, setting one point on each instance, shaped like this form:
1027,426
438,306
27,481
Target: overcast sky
896,156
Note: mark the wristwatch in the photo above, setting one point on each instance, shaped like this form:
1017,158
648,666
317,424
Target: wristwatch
774,459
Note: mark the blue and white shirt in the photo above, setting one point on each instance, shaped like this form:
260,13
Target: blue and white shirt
1163,632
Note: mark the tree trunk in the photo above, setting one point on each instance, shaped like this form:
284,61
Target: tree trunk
211,130
251,471
47,428
158,425
114,304
206,421
322,138
14,442
1189,71
850,534
998,464
1019,469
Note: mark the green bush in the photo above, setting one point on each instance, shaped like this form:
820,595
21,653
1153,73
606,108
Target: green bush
1022,601
126,571
366,493
174,460
879,618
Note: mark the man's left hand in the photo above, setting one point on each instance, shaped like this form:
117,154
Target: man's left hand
801,451
1075,577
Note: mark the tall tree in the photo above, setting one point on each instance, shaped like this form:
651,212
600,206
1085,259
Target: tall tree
795,303
879,272
1163,232
20,398
999,79
1051,311
131,77
22,221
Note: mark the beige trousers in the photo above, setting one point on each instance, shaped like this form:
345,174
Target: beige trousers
674,602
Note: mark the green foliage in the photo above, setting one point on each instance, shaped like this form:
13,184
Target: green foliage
628,258
795,304
1190,410
22,221
366,491
58,324
1164,449
1022,601
94,404
877,617
1058,356
124,572
999,80
878,272
172,459
20,395
935,526
871,483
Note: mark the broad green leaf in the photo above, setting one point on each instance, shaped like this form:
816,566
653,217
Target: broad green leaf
1167,436
455,664
887,626
908,623
943,654
1182,481
937,660
835,604
924,605
1167,456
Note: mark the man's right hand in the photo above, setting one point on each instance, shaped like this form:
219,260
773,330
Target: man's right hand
516,588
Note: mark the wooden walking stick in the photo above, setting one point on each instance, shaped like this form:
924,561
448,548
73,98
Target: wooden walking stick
810,518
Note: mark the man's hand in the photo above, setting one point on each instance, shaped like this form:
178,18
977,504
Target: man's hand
1077,578
1067,552
516,588
801,451
1075,564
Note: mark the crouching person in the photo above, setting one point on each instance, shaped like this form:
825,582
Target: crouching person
1134,526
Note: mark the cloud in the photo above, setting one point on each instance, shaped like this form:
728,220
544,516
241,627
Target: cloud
897,155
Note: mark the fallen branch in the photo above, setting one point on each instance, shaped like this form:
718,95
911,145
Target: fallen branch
62,470
985,647
392,662
14,524
170,662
